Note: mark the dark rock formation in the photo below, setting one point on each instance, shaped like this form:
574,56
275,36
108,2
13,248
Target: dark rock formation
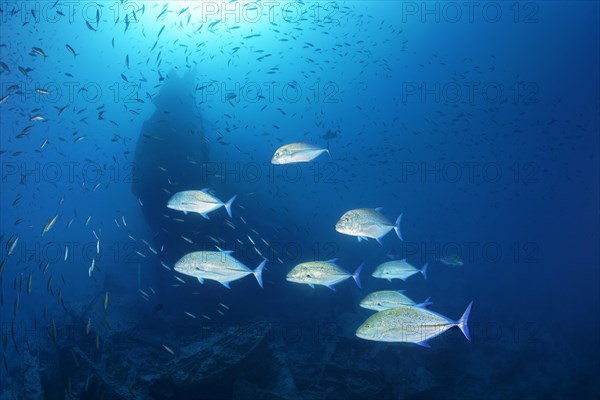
171,149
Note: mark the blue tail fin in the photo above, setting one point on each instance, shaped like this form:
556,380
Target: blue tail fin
258,273
397,227
462,322
424,270
356,275
228,205
424,304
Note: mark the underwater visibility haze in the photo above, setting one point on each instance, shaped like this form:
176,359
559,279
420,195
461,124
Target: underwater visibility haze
299,200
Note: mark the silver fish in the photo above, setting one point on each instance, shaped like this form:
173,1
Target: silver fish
411,325
296,153
198,201
367,223
398,269
325,273
219,266
387,299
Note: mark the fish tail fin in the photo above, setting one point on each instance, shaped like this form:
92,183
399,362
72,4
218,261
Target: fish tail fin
423,270
397,226
425,303
258,272
228,205
356,275
462,322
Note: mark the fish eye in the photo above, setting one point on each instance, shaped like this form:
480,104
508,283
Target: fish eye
368,325
308,275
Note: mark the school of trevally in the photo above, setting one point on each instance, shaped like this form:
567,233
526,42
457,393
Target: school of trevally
320,200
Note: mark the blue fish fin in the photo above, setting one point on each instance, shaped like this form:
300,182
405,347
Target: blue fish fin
423,270
258,273
205,216
379,241
359,239
201,280
226,284
462,322
424,304
185,212
423,344
311,285
356,275
397,227
332,261
378,209
332,288
228,205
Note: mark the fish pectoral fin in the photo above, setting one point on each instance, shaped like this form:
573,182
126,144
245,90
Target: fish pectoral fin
311,285
226,284
201,280
185,212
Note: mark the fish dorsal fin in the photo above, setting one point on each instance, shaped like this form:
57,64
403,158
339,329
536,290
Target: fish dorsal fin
378,209
332,261
403,260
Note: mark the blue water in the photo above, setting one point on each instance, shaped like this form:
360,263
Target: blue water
478,122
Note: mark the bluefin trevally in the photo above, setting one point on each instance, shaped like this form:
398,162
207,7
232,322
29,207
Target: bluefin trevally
296,153
219,266
198,201
367,223
398,269
326,273
410,324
